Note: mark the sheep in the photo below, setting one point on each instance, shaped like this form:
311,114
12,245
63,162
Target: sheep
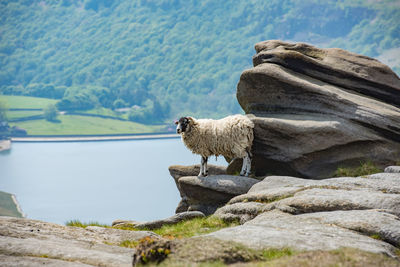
231,137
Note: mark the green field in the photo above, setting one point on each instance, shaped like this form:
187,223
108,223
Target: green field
81,125
70,124
26,102
22,114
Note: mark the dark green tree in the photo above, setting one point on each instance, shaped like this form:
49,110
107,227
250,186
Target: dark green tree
50,113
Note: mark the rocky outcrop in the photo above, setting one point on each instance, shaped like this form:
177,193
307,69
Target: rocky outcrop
25,242
317,109
206,194
296,196
316,231
282,211
178,171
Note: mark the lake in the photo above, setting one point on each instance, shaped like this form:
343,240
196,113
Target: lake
95,181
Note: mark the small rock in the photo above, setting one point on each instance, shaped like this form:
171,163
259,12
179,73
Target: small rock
241,212
392,169
124,223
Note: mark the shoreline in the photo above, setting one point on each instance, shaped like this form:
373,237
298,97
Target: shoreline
17,205
92,138
5,145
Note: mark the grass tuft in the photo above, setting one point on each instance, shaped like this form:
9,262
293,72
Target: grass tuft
193,227
273,253
129,243
77,223
365,168
182,229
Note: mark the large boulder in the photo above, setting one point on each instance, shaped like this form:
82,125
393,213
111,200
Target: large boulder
317,109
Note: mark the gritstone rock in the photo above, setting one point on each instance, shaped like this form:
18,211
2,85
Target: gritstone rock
34,243
206,194
317,109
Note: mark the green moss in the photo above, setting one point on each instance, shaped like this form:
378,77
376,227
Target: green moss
376,236
365,168
126,227
272,199
129,243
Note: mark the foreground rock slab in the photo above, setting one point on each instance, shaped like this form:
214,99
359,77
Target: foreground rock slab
282,211
296,195
48,243
317,231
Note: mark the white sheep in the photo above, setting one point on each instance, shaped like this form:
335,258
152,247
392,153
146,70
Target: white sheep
231,137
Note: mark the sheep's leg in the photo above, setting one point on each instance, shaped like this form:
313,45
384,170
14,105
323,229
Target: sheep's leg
248,169
246,166
203,167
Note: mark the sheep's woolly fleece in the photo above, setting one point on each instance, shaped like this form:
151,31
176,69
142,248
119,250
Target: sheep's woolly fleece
229,137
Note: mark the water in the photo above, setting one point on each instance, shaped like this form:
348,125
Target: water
95,181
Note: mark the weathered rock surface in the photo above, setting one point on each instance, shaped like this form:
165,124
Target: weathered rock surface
179,217
297,195
392,169
122,223
316,231
178,171
206,194
317,109
33,243
304,214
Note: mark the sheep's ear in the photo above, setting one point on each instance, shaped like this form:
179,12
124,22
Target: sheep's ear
191,120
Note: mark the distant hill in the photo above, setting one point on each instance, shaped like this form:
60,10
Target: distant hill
170,57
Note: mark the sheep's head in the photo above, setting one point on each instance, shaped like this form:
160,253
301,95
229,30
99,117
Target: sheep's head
184,124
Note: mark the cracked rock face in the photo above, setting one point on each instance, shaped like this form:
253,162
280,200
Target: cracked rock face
316,231
317,109
206,194
25,242
283,211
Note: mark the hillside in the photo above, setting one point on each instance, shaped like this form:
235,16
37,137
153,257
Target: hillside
167,58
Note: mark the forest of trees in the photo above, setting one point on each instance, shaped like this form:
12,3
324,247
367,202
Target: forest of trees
166,58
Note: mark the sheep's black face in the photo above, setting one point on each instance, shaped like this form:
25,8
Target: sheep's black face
182,125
